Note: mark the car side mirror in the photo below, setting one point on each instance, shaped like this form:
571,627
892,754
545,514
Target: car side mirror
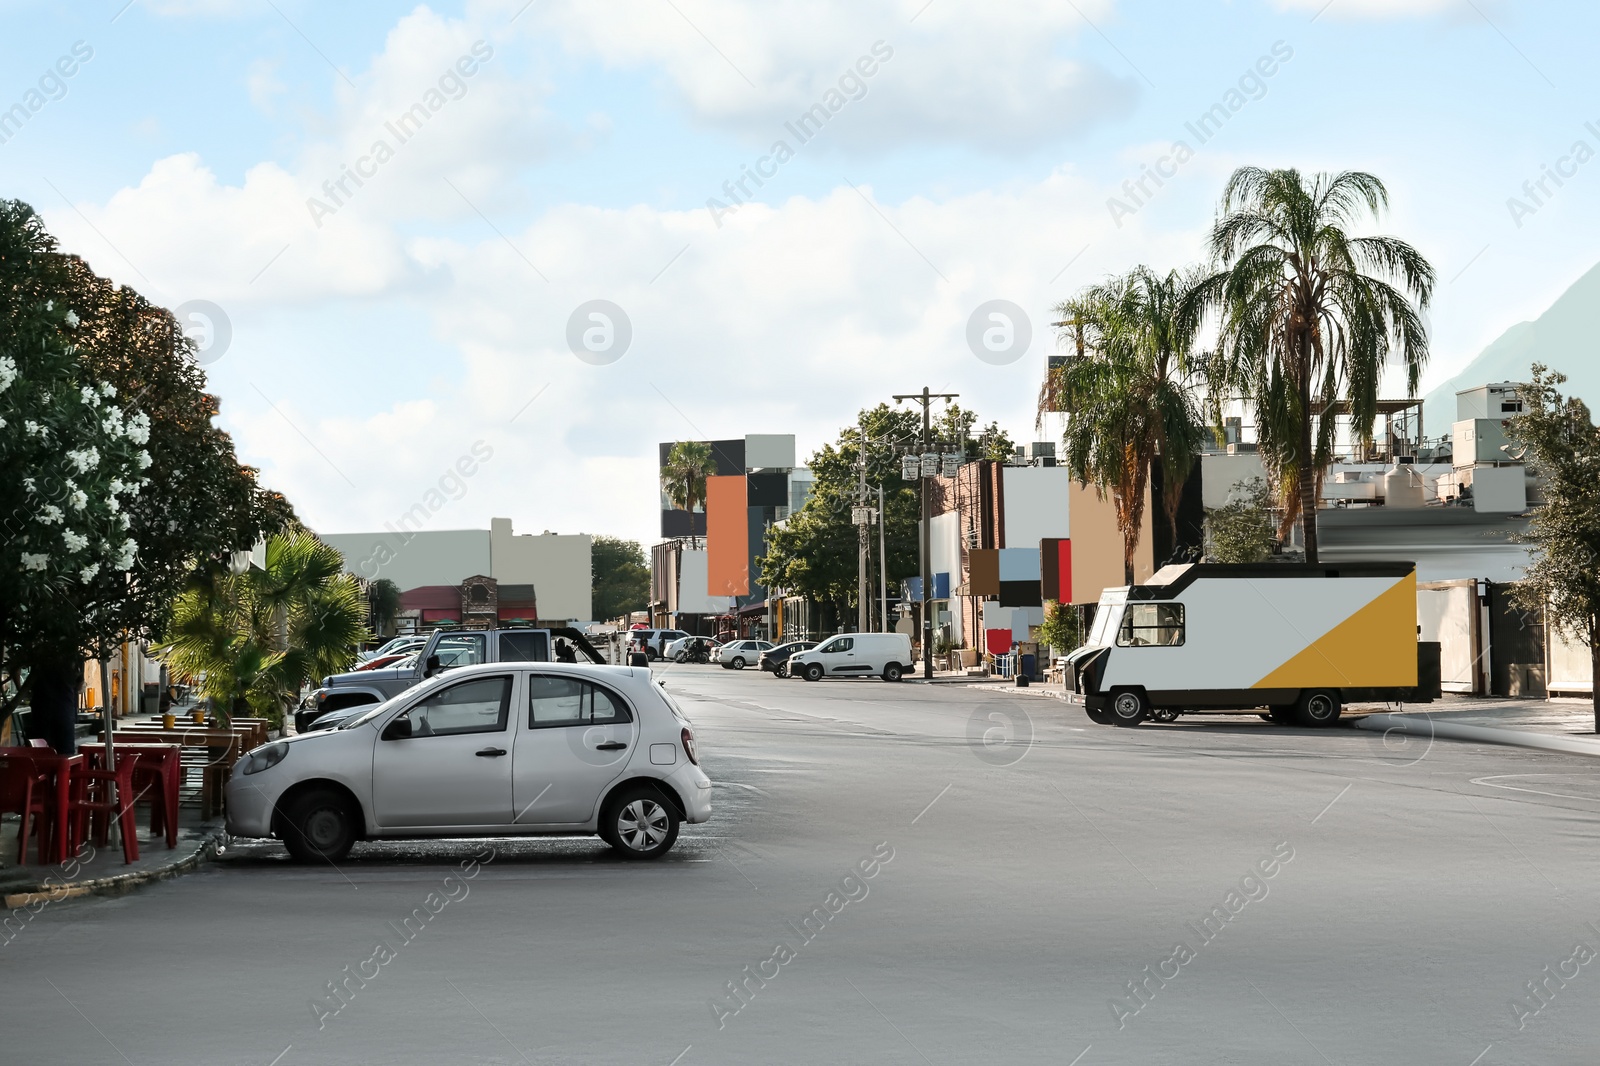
399,729
432,666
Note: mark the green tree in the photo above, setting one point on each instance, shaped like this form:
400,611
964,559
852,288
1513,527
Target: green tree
383,606
1242,530
1062,628
261,636
814,552
683,479
1562,446
1128,399
621,577
196,502
1308,316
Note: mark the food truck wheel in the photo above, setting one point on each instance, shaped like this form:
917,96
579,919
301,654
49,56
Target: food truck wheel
1129,707
1166,714
1317,707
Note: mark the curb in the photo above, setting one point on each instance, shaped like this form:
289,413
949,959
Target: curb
1383,723
119,884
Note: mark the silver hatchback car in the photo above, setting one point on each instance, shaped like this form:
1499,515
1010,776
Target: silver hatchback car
497,749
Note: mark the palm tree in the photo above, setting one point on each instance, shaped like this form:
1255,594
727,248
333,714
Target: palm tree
260,636
683,478
1308,315
1127,395
383,605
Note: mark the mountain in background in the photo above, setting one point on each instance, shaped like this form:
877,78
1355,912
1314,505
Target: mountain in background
1563,338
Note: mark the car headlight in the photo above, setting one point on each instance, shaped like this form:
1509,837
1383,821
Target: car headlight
262,758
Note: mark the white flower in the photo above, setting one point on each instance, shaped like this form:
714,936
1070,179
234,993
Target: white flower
122,520
30,561
112,505
113,425
90,397
107,389
2,423
72,320
49,305
85,459
79,499
49,515
139,428
8,372
33,428
126,554
86,575
75,542
27,483
144,460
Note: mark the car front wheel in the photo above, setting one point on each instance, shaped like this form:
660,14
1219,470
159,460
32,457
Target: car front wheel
737,664
319,826
813,672
640,824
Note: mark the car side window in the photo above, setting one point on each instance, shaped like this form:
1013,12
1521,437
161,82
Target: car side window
838,644
1145,624
559,701
525,646
476,706
461,649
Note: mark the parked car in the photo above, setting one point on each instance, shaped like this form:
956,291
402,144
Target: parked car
444,650
554,748
737,654
653,642
776,660
885,655
673,650
396,646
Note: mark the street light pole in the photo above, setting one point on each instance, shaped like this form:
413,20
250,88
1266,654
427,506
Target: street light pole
863,533
926,398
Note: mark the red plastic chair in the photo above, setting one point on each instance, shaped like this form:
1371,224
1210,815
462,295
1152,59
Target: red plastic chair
23,791
91,801
40,742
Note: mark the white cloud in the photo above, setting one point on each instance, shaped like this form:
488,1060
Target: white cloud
993,76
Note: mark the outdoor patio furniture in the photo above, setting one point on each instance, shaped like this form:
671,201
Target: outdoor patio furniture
57,770
25,791
93,807
157,774
209,752
40,742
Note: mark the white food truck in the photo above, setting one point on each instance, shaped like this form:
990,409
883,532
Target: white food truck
1294,640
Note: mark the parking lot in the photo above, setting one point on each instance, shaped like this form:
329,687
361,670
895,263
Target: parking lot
898,873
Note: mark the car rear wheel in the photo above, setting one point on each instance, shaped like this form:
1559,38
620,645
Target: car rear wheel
1129,707
1319,707
891,672
319,826
813,672
781,670
640,824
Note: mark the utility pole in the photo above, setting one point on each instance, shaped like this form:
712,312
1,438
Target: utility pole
924,548
863,536
883,565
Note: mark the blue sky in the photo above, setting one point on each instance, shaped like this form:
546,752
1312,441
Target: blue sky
370,351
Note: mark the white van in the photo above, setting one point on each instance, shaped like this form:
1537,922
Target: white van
885,655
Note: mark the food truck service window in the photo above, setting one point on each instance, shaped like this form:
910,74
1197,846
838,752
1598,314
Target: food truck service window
1151,624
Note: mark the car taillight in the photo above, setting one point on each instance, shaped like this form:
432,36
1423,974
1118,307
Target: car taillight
688,747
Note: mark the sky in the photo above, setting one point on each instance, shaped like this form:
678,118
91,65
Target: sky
605,225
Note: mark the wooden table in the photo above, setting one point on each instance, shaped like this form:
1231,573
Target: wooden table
162,759
225,746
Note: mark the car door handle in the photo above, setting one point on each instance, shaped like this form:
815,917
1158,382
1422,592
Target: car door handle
492,753
615,745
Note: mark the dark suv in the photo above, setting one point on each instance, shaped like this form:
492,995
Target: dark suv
776,660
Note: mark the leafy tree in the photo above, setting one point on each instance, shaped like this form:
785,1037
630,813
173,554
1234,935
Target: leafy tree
1562,445
1243,530
383,606
1308,316
956,425
261,636
1128,399
1062,628
683,479
621,576
197,504
814,552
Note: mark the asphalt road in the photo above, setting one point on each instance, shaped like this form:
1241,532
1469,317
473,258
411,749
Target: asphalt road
1367,903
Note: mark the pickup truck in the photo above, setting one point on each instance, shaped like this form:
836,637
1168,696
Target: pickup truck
445,649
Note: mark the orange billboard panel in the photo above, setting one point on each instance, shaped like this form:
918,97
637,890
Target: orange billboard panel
727,536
